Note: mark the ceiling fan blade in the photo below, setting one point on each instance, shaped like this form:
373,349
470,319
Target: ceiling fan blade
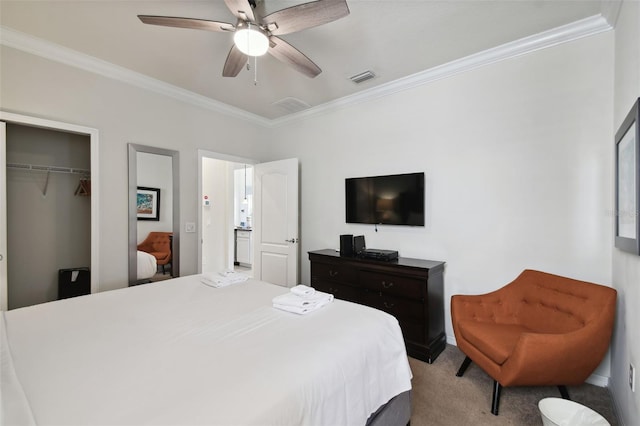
196,24
288,54
234,63
306,15
241,9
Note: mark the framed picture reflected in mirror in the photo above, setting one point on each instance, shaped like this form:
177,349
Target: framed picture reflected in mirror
148,203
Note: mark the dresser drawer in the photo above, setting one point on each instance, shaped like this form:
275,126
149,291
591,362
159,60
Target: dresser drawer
333,273
340,291
393,284
402,309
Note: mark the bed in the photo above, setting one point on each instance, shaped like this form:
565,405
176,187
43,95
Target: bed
147,265
181,352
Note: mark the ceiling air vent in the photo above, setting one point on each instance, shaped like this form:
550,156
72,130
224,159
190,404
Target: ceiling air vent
362,77
291,105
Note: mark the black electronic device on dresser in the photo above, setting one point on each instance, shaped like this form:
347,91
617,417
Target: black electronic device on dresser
412,290
376,254
351,246
346,245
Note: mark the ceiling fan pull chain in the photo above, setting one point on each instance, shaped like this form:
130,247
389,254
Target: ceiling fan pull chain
255,70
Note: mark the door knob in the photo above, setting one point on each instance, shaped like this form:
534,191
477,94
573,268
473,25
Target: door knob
292,240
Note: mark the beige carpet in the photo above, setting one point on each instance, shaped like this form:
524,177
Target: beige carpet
161,277
441,398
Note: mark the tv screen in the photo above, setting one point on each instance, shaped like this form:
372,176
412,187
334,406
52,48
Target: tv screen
391,200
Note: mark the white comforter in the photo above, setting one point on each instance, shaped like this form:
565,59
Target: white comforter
181,352
147,265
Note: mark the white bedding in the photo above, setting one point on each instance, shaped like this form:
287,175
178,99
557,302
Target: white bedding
147,265
181,352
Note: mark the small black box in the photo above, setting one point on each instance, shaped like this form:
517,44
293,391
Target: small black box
346,245
73,282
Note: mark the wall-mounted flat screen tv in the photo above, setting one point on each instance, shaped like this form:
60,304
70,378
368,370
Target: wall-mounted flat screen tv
391,200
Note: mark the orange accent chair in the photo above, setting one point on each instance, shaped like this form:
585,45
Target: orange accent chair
539,330
158,244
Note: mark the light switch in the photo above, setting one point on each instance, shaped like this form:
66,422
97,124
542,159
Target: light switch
190,227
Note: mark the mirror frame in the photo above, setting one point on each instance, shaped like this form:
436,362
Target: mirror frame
134,149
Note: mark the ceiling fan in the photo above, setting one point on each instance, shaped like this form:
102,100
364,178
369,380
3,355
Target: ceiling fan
256,35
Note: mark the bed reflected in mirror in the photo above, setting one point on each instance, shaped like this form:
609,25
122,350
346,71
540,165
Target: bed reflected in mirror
153,214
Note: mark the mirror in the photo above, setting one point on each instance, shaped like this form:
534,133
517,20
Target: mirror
154,214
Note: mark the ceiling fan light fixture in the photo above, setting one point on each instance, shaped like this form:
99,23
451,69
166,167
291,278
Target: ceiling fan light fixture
251,40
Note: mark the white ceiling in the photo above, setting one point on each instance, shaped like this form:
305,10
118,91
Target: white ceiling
394,39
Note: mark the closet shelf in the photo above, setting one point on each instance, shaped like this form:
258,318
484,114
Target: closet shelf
52,169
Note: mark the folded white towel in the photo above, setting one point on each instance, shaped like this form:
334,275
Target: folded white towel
218,280
301,310
290,299
303,290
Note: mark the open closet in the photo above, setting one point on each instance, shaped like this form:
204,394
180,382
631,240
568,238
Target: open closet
48,208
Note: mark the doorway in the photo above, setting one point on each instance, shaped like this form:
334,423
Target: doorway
274,218
223,213
49,197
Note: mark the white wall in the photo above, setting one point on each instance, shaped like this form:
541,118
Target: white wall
217,184
517,163
626,267
34,86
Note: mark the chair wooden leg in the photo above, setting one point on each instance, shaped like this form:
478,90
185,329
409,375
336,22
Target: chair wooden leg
564,392
497,388
463,367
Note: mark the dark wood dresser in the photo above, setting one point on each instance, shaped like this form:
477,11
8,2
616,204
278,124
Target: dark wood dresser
409,289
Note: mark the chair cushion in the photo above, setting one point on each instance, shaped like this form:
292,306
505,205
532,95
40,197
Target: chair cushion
496,341
160,256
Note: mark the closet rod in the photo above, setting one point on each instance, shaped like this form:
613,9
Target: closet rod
52,169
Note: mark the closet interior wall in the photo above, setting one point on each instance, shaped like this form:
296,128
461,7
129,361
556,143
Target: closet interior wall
48,213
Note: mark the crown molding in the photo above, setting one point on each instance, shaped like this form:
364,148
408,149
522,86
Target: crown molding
610,10
583,28
46,49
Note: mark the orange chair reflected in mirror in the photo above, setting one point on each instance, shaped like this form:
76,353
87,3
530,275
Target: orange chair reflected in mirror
158,244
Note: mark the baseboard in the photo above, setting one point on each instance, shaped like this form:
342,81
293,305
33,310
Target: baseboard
594,379
598,380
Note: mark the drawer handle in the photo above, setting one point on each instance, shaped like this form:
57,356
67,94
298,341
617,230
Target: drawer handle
333,273
387,284
389,305
333,291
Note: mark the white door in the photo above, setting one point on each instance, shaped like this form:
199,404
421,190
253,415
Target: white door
275,227
4,304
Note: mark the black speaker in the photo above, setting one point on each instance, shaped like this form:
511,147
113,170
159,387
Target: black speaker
346,245
358,245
